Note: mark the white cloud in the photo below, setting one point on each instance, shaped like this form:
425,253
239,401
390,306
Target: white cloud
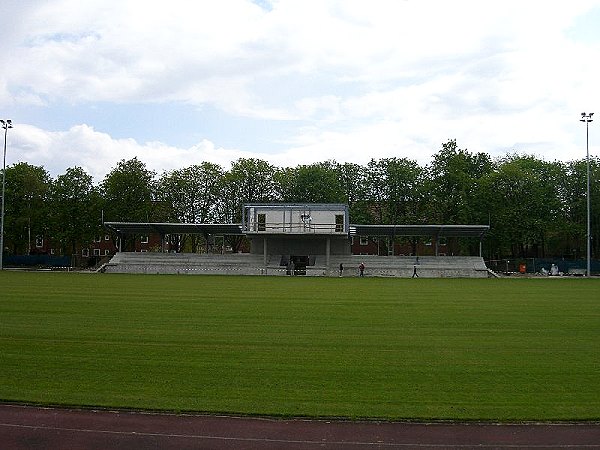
349,79
98,153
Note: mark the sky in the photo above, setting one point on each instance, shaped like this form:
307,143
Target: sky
89,83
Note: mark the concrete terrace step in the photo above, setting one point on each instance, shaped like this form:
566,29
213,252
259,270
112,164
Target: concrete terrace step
252,264
190,263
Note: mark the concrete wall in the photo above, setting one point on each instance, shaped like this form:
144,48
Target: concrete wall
299,245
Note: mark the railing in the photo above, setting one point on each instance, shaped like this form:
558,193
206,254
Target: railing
296,228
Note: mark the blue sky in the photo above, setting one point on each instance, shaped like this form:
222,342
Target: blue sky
294,81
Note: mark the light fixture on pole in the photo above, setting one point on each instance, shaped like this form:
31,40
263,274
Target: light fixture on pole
587,118
6,124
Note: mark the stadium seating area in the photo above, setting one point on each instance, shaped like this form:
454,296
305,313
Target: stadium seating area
403,266
252,264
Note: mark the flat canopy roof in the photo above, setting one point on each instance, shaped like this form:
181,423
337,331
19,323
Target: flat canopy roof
296,206
420,230
174,228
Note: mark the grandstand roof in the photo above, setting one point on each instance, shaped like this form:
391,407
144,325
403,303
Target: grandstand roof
420,230
174,228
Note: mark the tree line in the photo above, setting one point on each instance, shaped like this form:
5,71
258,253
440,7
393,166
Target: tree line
535,208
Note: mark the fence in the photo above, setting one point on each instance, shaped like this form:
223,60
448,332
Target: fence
37,260
535,265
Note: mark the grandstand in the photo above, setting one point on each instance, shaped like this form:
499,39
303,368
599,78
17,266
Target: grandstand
293,239
249,264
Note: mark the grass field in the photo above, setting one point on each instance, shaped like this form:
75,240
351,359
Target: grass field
523,349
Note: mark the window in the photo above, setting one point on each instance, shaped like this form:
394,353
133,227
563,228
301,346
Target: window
364,240
144,239
339,223
39,241
262,222
107,237
96,252
85,252
106,252
97,239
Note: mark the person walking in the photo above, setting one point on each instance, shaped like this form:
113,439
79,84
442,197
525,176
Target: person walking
361,269
341,269
415,274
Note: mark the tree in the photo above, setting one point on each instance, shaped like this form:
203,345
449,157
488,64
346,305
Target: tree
74,209
313,183
352,182
452,184
376,191
575,206
524,204
128,192
25,215
248,181
394,190
191,195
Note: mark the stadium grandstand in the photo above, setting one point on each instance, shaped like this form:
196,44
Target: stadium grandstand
298,239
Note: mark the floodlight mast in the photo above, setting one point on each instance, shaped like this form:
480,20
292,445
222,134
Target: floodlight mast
6,124
587,118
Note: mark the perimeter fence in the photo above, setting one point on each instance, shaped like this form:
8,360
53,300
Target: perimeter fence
542,266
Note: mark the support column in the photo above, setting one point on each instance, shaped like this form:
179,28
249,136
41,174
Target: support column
265,253
480,247
327,252
437,238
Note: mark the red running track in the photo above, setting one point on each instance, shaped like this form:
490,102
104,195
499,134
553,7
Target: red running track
27,427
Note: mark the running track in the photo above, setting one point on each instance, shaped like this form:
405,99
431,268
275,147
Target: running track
26,427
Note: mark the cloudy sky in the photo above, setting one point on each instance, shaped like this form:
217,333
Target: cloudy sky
175,83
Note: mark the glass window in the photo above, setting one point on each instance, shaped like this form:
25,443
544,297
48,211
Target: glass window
262,222
339,223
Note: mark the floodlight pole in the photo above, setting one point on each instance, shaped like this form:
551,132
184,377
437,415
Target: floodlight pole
587,118
6,124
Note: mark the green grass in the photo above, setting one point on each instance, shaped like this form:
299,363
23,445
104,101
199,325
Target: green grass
525,349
